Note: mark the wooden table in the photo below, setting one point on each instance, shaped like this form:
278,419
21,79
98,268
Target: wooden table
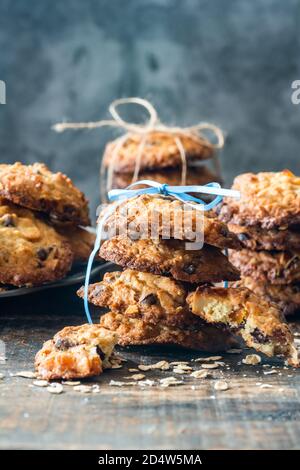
189,416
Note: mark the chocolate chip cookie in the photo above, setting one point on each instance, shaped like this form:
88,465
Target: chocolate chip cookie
37,188
160,151
31,251
268,200
75,352
134,330
148,216
170,257
258,322
274,267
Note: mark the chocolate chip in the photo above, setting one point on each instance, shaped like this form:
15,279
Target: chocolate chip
150,299
100,353
224,231
189,269
42,254
63,344
8,221
259,336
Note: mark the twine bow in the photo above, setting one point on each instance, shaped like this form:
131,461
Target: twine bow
196,132
177,192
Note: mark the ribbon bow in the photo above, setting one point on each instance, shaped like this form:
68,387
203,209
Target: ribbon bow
177,192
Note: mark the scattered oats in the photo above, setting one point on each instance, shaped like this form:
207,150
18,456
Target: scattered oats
179,363
26,374
266,386
177,370
212,365
183,367
193,387
290,376
133,370
40,383
117,383
116,366
221,385
296,333
258,383
162,365
207,359
234,351
55,388
270,372
72,383
251,359
169,381
266,365
144,367
200,374
136,377
83,388
95,388
146,383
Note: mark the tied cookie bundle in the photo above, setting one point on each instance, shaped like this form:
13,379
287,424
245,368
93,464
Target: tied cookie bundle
267,221
154,151
42,220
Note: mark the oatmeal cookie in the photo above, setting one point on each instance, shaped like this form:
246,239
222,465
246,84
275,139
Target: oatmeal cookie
170,257
134,330
75,352
31,252
81,241
36,187
133,292
268,200
160,151
165,217
259,322
275,267
172,176
256,239
287,297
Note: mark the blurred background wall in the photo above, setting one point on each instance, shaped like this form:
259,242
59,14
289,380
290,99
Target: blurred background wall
226,61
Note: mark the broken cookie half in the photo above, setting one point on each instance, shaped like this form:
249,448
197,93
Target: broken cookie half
75,352
256,320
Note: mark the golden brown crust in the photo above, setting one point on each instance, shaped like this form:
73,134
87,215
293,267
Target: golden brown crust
37,188
267,200
133,292
275,267
81,241
256,239
172,176
75,352
170,257
160,151
258,322
31,252
134,330
168,218
287,297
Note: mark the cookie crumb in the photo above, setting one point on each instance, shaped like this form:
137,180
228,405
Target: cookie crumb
221,385
251,359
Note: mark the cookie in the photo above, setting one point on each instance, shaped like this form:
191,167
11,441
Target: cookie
257,321
134,331
170,258
268,200
160,151
287,297
148,216
81,241
75,352
255,238
132,292
31,251
172,176
36,187
275,267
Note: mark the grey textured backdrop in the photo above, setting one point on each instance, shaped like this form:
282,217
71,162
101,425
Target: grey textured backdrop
231,62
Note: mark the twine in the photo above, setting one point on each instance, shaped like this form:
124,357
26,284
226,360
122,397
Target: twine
153,123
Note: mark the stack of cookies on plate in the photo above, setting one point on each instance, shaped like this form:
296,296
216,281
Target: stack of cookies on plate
165,294
160,160
42,225
267,221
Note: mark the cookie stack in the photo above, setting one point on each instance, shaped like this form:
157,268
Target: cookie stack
160,159
42,220
147,300
267,221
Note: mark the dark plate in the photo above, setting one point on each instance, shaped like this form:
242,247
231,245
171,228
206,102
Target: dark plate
76,276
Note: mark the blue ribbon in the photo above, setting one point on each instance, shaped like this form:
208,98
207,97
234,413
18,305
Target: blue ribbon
178,192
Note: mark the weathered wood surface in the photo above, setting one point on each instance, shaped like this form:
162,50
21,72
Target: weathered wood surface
244,417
